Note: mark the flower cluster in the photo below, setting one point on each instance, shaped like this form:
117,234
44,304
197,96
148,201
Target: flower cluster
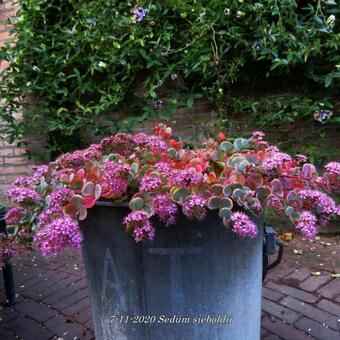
139,224
242,225
160,177
194,207
14,215
307,224
59,234
19,194
274,161
165,208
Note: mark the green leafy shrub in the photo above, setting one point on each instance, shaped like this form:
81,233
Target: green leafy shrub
84,59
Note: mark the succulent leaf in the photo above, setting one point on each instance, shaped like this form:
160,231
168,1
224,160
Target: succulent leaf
214,202
226,147
224,213
136,203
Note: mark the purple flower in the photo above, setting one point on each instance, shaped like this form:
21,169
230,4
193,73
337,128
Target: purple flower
319,201
259,135
49,215
274,161
145,232
59,234
185,177
122,144
194,206
242,225
150,183
158,104
301,158
115,169
60,197
114,183
14,215
24,181
23,195
139,224
256,46
165,208
80,157
307,224
322,115
139,13
333,168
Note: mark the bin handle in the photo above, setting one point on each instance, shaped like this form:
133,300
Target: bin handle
269,266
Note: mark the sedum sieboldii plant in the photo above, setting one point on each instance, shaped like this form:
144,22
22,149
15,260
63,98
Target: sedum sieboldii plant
160,177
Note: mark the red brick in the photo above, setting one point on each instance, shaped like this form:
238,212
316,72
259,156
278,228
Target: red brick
297,293
330,307
311,312
35,310
77,307
271,294
28,329
279,311
70,300
57,296
331,290
84,316
315,282
299,274
64,329
317,330
283,330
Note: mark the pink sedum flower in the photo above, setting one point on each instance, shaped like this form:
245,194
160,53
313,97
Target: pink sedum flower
23,195
194,207
14,215
275,161
58,235
333,168
307,224
165,208
242,225
150,183
139,224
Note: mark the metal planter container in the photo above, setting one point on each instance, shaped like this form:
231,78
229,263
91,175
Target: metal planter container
196,280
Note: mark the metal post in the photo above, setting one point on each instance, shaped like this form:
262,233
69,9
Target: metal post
7,268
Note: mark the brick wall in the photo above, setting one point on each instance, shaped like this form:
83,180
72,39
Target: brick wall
12,159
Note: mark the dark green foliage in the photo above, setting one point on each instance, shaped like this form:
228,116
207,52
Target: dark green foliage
83,59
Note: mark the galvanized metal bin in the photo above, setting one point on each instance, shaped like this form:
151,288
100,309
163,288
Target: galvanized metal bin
196,280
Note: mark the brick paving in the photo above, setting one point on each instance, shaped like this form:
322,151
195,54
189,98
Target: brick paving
301,299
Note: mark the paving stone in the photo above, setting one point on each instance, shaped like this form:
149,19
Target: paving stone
84,316
64,329
284,330
6,335
331,290
7,313
329,307
78,306
317,330
315,282
60,294
60,285
312,312
35,310
28,329
279,311
299,274
71,299
271,294
298,293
